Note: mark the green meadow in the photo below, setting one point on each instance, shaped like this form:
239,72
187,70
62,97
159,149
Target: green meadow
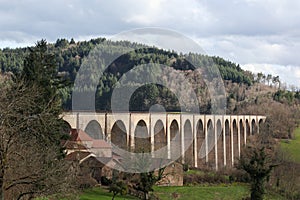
293,146
214,192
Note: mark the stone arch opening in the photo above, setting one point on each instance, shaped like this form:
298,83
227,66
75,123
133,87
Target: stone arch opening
200,141
220,144
160,137
188,143
242,134
260,124
119,135
66,127
228,144
248,132
211,144
175,138
141,138
94,130
235,140
253,127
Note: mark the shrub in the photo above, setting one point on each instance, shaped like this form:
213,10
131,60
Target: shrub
105,181
204,177
86,182
238,176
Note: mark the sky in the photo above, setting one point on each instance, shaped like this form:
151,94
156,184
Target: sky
260,35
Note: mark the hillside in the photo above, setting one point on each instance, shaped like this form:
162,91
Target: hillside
70,56
246,93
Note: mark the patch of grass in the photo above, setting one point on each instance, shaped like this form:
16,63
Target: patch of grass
236,191
293,146
220,192
103,194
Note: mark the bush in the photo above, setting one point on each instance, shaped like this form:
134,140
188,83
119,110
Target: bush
225,176
86,182
204,177
238,176
105,181
286,180
185,167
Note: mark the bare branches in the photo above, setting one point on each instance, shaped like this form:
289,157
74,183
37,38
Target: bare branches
30,132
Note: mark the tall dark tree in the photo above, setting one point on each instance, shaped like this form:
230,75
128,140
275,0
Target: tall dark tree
40,68
258,164
31,130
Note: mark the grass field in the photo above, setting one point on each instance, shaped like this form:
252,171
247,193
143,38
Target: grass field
100,193
293,146
222,192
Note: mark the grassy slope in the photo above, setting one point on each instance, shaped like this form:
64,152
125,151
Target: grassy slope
233,192
100,193
222,192
293,146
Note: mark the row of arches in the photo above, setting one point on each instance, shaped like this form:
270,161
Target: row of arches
214,144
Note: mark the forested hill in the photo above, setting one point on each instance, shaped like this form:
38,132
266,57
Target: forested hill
69,56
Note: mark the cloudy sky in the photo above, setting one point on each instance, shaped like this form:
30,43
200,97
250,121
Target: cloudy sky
260,35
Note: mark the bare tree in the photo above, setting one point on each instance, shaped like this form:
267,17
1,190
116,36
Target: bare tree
31,155
276,81
269,78
31,159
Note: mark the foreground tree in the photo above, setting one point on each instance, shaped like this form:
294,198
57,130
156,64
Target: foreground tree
147,180
143,173
117,186
259,165
31,157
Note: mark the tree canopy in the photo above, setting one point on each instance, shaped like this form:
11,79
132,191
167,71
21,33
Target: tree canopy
69,56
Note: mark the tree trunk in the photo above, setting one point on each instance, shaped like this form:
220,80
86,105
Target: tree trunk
146,195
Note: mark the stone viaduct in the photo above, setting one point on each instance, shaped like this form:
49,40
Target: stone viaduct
213,141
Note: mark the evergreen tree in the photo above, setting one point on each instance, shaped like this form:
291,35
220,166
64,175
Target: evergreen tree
72,41
258,164
40,69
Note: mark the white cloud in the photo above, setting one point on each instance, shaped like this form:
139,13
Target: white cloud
244,31
288,74
274,54
272,49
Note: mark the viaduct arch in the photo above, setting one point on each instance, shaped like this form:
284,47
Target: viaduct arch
197,140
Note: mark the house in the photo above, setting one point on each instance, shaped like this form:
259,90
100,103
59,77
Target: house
94,156
96,159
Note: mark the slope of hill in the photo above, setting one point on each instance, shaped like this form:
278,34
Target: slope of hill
70,56
246,93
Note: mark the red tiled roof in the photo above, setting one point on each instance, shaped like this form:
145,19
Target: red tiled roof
77,155
79,135
100,144
74,145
